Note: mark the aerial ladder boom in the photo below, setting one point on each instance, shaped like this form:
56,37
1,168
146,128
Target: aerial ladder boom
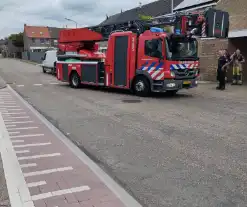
206,23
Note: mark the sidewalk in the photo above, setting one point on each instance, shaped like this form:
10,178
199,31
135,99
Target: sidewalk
4,198
44,169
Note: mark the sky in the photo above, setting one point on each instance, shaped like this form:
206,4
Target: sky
15,13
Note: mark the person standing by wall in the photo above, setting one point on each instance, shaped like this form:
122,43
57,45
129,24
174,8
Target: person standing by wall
238,59
221,70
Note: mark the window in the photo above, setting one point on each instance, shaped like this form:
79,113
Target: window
182,48
33,40
42,41
153,48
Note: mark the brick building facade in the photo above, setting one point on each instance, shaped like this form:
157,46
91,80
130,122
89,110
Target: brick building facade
237,39
208,49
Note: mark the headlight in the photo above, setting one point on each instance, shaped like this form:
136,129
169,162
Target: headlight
173,74
170,85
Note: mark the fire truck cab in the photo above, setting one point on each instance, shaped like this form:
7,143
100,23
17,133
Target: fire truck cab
154,61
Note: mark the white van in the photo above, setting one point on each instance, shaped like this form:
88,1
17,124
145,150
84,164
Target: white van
49,61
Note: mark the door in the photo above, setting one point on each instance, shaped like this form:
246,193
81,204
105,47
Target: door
151,59
120,61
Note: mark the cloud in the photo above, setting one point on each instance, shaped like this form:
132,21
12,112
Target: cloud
15,13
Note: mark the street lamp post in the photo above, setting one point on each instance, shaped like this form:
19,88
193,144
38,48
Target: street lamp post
172,5
71,20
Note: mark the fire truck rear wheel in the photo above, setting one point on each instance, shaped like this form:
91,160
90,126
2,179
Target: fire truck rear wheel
141,86
75,80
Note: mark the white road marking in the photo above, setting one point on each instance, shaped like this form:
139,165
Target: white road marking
28,165
38,156
3,111
13,109
60,192
7,99
20,85
38,84
23,128
5,115
17,188
9,107
35,184
14,113
32,145
8,102
17,141
14,133
121,193
44,172
27,135
19,117
19,122
53,83
22,151
8,125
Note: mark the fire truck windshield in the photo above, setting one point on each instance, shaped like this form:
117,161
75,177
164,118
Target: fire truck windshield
182,49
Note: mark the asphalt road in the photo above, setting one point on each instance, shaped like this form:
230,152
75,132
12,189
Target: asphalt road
189,150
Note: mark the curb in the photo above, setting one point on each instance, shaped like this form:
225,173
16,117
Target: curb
2,83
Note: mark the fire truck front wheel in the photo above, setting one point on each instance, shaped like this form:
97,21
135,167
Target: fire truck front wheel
75,80
141,86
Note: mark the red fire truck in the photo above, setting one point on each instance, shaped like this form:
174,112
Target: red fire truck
141,56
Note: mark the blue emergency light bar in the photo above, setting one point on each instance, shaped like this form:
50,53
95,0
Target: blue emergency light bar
156,29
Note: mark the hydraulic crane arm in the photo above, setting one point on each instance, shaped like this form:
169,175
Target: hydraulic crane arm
207,23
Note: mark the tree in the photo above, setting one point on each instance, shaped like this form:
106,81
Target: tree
145,17
17,39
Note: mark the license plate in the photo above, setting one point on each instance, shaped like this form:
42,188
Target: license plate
187,82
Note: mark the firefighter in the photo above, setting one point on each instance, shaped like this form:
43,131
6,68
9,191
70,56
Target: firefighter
221,71
237,60
228,57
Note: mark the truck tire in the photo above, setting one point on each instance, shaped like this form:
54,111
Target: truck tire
75,80
44,70
141,87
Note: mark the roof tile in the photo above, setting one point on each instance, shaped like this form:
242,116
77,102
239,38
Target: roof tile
37,32
156,8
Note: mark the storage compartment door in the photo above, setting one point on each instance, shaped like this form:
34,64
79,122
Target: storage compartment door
120,61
